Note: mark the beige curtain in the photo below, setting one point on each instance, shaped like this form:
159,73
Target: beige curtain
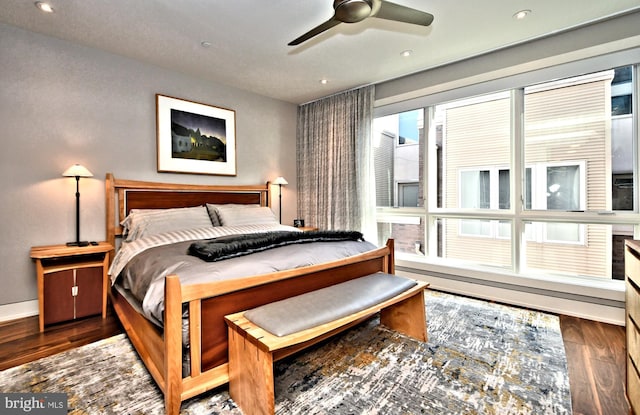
334,163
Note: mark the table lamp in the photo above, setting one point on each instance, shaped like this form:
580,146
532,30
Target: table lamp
280,181
77,171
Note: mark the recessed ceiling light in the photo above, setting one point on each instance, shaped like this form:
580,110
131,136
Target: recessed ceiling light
205,44
521,14
406,53
45,7
324,81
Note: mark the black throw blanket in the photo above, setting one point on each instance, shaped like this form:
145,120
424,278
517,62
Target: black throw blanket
226,247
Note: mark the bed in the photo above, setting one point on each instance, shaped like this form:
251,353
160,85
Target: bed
193,312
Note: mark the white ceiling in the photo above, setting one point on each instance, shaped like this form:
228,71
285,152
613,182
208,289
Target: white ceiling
249,37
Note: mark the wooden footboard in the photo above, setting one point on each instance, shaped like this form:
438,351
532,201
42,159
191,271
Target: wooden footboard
208,304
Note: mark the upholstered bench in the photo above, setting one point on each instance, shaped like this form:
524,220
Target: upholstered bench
263,335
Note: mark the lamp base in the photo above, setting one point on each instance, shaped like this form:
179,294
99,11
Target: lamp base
78,243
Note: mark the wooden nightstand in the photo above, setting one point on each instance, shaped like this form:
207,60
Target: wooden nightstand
308,228
72,281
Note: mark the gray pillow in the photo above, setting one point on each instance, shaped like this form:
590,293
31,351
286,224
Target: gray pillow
235,215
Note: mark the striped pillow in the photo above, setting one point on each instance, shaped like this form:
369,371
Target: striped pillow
146,222
232,215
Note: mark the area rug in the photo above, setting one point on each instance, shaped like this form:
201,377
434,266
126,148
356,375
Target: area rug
481,358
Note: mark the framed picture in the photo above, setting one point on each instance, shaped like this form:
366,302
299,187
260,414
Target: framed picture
194,137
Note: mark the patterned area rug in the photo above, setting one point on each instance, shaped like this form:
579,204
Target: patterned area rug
481,358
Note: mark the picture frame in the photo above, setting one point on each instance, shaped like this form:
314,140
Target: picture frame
195,138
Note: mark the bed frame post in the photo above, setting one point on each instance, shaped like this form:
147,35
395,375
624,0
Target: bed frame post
110,211
172,345
390,260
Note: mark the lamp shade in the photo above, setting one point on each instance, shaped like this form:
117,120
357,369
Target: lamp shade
280,180
77,170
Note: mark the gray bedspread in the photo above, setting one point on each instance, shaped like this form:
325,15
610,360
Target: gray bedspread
144,275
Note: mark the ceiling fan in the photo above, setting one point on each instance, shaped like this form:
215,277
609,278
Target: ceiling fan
353,11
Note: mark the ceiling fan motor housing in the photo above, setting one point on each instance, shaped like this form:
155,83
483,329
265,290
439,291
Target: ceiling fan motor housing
352,11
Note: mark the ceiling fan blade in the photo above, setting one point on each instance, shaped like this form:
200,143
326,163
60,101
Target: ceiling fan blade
315,31
392,11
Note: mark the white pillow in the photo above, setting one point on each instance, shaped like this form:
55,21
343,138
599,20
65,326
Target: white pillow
234,215
146,222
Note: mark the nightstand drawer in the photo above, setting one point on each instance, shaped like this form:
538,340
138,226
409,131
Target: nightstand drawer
632,296
633,342
633,387
632,265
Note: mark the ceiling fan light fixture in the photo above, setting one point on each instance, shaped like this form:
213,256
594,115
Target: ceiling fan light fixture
45,7
521,14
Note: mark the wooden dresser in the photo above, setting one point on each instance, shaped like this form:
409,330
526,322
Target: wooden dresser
632,277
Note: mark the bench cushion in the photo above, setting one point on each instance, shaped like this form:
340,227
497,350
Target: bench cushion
314,308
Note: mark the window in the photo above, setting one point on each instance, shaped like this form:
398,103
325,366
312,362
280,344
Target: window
475,189
555,187
408,194
621,91
622,138
537,161
396,152
398,141
484,188
473,137
409,124
462,242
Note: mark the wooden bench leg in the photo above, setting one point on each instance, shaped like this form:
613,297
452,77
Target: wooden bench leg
408,317
251,384
172,404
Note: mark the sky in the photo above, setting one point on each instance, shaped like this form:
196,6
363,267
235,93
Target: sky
208,125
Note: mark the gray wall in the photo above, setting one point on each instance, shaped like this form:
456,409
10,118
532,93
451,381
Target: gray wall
62,103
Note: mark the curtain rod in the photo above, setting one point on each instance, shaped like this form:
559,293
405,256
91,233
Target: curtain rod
337,93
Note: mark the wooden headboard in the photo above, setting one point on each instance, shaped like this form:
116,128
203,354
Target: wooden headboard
124,195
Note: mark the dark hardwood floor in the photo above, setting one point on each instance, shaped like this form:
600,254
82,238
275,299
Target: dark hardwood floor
596,360
595,354
22,342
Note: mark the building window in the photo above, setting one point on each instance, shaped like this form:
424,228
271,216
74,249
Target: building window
484,188
408,194
475,189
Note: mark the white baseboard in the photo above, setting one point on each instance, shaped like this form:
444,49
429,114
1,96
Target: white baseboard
18,310
596,312
590,311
